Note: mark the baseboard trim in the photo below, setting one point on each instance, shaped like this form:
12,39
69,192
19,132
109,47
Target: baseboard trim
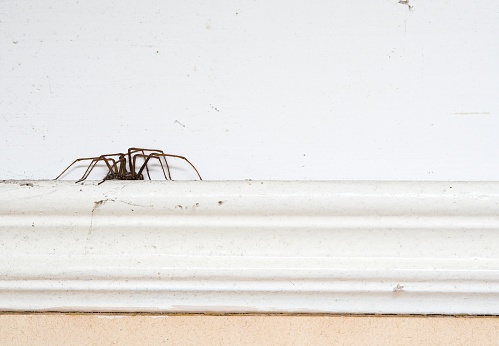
250,246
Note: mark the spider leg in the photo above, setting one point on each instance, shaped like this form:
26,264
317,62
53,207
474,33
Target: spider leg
169,177
167,168
185,159
117,171
143,151
94,163
75,161
146,160
103,157
83,159
122,168
163,168
167,165
176,156
132,164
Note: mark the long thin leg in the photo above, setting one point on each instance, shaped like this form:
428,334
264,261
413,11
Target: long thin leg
146,160
169,177
75,161
122,168
143,150
94,163
132,164
185,159
97,159
167,168
171,155
86,158
119,172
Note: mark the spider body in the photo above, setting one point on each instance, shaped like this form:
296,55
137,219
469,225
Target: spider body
123,176
124,166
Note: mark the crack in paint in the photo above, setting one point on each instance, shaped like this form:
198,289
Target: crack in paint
97,205
472,113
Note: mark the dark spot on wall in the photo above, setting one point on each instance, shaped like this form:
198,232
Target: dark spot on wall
406,3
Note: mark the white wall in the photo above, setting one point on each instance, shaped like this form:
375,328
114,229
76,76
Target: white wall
254,89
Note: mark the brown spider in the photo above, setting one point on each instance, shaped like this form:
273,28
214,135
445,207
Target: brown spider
117,164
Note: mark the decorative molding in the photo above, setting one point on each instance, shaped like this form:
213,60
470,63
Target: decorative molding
250,246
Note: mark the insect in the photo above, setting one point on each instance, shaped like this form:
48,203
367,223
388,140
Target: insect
124,166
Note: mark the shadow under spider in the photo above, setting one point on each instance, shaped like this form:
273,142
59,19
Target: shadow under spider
123,166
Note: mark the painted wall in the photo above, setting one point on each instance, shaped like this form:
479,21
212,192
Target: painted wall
254,89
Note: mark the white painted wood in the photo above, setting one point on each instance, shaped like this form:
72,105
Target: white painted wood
250,246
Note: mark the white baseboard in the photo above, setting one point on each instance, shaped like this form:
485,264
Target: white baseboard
250,246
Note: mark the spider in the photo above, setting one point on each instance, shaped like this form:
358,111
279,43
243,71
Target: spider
123,166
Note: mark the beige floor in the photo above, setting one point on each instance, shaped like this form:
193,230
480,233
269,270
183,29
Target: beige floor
102,329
